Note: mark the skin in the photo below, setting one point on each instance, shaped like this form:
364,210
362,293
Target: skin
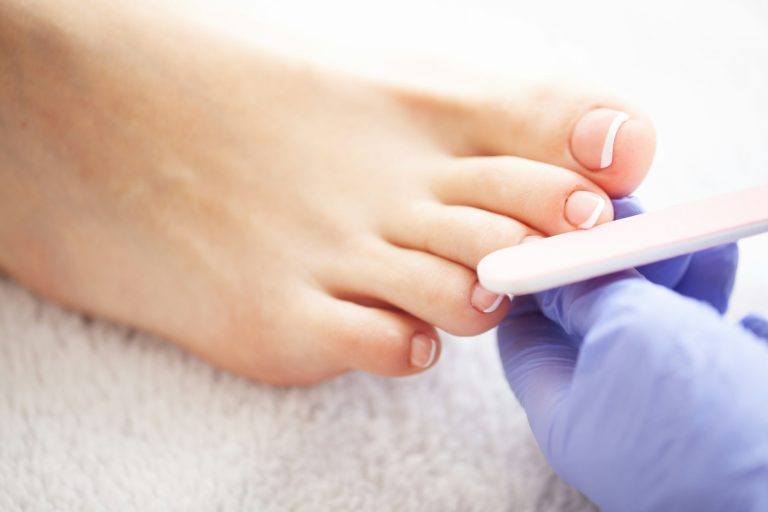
280,221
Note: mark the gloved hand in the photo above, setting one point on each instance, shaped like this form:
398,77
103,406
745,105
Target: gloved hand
637,390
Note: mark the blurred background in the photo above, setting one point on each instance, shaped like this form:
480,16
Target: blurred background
96,417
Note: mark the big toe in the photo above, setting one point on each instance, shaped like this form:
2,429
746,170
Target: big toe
606,140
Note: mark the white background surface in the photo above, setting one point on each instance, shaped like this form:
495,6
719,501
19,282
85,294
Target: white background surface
95,417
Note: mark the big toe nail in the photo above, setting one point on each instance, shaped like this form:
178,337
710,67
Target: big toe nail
610,140
594,137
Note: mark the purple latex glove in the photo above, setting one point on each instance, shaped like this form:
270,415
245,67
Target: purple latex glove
640,394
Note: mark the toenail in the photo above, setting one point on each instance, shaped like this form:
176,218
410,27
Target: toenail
485,301
582,209
531,238
423,351
594,136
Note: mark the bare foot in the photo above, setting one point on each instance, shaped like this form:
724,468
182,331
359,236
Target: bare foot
280,221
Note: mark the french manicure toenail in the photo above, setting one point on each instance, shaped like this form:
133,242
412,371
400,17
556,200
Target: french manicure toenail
583,209
594,137
423,351
531,238
485,301
606,156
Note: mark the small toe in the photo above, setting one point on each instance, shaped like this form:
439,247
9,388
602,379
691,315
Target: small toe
377,340
437,291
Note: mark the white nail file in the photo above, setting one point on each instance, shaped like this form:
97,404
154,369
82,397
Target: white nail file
625,243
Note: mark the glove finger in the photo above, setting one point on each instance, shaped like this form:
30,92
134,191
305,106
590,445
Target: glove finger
538,359
756,324
710,276
666,273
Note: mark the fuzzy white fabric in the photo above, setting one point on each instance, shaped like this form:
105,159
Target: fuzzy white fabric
98,417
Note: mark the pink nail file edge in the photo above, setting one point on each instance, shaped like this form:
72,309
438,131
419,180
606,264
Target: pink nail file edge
625,243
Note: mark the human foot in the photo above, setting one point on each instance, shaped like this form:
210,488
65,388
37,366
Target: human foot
284,223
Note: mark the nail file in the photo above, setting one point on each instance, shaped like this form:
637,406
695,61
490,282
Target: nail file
625,243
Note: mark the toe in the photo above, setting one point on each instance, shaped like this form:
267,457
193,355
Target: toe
549,199
460,234
616,148
607,140
437,291
378,340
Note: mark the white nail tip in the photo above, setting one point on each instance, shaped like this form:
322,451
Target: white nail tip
432,354
592,220
493,307
606,157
